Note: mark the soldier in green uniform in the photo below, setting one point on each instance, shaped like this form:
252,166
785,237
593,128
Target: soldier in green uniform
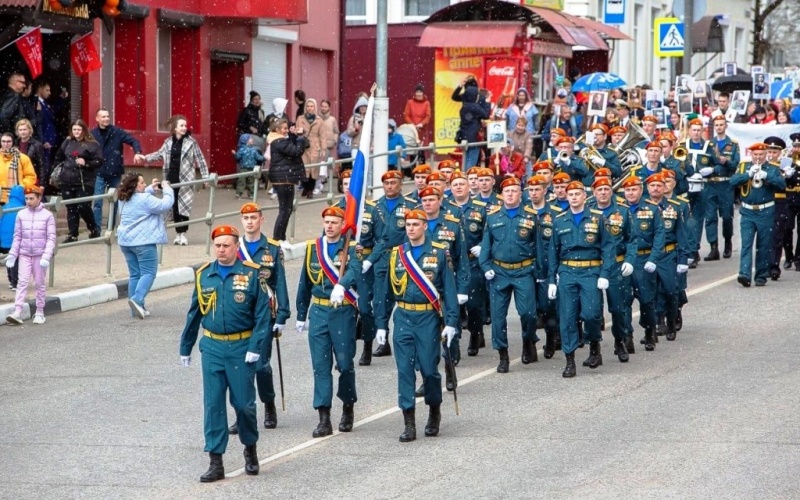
701,158
679,166
758,182
439,181
486,193
366,283
718,192
421,282
232,303
550,152
652,164
256,248
567,162
331,319
420,173
582,255
546,308
472,214
560,181
685,210
608,158
389,225
510,249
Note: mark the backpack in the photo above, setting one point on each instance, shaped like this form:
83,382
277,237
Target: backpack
344,148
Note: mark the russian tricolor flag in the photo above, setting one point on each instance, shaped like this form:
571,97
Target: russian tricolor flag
356,194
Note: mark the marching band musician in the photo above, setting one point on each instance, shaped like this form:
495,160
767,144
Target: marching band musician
652,163
649,123
702,158
608,158
793,205
718,193
567,162
616,134
680,167
551,152
775,148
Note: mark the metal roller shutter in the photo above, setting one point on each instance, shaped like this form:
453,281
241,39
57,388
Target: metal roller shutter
269,71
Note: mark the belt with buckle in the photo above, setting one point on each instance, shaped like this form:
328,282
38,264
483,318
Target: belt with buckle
415,307
670,247
644,251
758,207
780,196
229,337
719,179
514,265
621,258
326,302
582,263
366,251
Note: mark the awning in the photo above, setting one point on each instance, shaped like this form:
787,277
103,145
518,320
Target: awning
570,31
471,34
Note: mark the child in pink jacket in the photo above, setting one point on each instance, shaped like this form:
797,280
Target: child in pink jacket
34,244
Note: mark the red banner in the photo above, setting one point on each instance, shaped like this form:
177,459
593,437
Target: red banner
30,46
84,55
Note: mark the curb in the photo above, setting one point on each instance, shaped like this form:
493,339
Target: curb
107,292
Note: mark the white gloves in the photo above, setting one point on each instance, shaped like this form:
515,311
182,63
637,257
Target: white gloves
649,267
448,333
476,250
706,171
760,175
601,161
696,177
462,299
627,269
278,330
602,283
489,275
690,261
186,360
10,262
682,268
299,326
44,263
552,292
380,336
752,170
788,171
251,357
365,266
337,295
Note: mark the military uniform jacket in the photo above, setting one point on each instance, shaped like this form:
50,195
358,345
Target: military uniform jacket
586,241
647,228
545,215
766,193
612,163
550,153
729,149
313,280
618,226
675,231
448,233
389,225
700,156
643,172
234,304
495,200
367,222
576,169
510,239
436,265
472,215
793,187
686,210
269,256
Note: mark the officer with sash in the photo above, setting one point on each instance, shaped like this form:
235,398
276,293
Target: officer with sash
758,181
420,173
231,302
389,224
718,193
510,250
582,255
422,283
331,320
256,248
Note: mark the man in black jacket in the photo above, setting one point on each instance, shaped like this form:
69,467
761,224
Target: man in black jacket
474,108
12,106
109,174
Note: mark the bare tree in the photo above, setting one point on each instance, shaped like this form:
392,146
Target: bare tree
760,44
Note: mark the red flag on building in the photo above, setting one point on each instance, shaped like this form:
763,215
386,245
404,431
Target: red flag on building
30,46
84,55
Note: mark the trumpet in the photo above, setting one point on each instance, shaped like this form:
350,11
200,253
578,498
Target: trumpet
591,156
680,153
563,157
757,183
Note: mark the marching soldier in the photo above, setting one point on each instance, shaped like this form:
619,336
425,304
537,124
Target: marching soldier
649,124
560,182
775,148
567,162
472,180
232,304
256,248
331,319
652,163
421,173
681,169
486,186
389,225
683,201
718,193
439,181
792,204
582,255
758,181
617,134
510,247
701,158
421,282
551,152
447,167
608,158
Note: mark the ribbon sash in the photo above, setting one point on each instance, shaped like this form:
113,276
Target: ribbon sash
419,279
330,270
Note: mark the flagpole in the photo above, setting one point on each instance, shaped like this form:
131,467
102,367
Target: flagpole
9,44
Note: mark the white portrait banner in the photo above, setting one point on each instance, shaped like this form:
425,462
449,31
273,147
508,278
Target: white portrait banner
747,134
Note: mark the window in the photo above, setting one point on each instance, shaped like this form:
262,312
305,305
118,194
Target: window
424,8
164,77
356,12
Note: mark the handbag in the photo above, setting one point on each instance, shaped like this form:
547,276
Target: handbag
56,174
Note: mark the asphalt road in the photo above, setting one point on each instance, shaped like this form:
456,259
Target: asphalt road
96,405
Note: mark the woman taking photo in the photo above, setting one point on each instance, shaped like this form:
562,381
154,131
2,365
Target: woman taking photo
181,155
285,171
79,155
141,228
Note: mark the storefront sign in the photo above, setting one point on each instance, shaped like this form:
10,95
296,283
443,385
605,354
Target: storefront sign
542,48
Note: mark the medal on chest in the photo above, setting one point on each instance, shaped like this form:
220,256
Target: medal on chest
241,282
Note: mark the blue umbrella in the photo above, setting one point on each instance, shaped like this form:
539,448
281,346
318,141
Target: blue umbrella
598,82
780,89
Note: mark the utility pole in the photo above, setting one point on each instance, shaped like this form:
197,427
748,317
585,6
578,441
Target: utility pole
380,129
688,21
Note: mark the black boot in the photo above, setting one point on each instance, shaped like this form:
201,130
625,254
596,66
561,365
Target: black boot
383,349
629,345
346,423
216,470
728,250
549,344
410,432
713,254
620,351
661,327
671,332
569,370
324,428
775,273
434,419
528,351
744,281
483,339
595,358
250,460
234,429
693,264
502,367
679,320
451,381
649,340
270,415
366,354
474,342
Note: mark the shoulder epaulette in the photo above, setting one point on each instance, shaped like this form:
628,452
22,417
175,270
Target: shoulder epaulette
494,210
622,204
597,212
251,264
273,242
479,202
734,141
562,214
451,218
311,243
371,203
674,202
202,267
412,200
353,243
651,202
683,198
530,210
555,208
436,244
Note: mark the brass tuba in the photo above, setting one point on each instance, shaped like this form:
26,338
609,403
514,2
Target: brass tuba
680,153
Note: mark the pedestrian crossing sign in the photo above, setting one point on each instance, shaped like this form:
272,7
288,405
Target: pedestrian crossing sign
669,40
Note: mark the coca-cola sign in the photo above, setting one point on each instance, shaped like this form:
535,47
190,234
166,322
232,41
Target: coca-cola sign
502,71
